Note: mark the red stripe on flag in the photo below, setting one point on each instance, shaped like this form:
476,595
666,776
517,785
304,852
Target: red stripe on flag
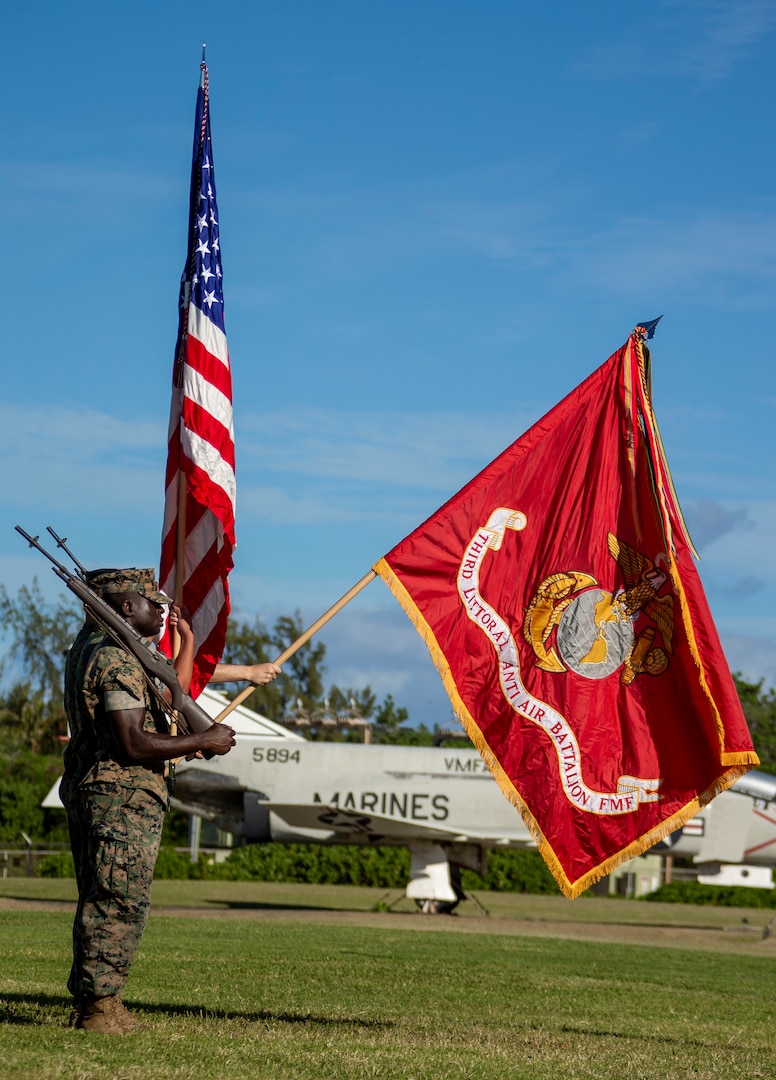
209,428
209,367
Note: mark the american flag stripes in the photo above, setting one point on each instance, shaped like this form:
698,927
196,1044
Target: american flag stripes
198,535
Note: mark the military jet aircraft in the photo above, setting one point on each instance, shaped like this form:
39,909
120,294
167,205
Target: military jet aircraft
276,785
441,803
733,839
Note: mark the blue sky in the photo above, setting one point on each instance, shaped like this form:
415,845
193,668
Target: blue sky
436,220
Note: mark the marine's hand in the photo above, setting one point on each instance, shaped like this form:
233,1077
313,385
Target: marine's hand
178,619
218,739
261,674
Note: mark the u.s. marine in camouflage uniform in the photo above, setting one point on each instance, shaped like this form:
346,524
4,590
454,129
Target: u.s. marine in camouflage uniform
115,795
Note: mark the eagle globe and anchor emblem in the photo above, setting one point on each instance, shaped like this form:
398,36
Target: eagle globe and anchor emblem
573,624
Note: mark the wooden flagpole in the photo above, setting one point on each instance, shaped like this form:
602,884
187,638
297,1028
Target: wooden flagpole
180,550
303,638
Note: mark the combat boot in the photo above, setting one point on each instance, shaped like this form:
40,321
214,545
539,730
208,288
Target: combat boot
129,1017
106,1014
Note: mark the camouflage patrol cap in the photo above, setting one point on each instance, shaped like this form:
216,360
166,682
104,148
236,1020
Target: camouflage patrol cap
105,582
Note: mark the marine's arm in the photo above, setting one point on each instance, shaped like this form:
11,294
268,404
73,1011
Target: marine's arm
184,661
148,747
258,674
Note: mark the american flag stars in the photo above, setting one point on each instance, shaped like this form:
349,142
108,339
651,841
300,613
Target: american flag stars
206,274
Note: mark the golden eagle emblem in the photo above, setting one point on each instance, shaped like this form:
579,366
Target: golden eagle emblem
572,624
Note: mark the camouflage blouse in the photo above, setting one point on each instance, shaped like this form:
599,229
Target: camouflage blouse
101,678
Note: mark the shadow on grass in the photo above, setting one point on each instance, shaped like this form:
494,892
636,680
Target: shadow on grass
32,902
27,1009
205,906
254,905
629,1036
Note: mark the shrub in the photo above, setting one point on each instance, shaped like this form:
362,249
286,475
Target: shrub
175,865
339,864
57,866
512,871
692,892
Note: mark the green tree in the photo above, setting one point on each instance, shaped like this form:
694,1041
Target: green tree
300,687
348,709
299,692
760,711
389,721
29,721
350,702
40,634
250,643
25,780
302,679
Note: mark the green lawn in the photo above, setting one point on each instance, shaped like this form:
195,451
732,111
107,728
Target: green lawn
326,987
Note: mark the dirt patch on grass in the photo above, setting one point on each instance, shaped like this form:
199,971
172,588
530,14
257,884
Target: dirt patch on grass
737,938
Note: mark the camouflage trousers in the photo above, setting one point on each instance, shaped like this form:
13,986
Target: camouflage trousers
115,834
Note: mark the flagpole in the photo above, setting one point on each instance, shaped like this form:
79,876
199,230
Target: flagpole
303,638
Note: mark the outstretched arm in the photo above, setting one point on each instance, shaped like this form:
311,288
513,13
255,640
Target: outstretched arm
258,674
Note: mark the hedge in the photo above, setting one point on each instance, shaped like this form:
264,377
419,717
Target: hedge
389,868
692,892
338,864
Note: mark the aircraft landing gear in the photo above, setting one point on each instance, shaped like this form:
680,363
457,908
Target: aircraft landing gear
437,907
447,905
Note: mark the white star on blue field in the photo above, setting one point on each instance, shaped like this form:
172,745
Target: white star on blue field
434,220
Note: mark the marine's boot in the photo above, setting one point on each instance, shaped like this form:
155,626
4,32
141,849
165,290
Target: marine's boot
106,1014
122,1010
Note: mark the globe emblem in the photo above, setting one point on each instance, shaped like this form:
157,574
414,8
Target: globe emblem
594,635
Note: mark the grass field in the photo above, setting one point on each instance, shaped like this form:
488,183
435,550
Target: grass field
244,980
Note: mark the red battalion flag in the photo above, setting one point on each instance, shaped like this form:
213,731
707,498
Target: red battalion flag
198,535
559,599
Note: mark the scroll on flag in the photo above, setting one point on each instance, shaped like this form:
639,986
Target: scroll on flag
559,599
198,534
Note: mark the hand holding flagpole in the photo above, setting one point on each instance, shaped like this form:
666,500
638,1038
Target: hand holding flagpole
303,638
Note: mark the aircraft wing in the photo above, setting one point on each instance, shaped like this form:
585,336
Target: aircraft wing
52,800
329,823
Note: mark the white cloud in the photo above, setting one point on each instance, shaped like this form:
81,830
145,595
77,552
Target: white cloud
753,657
379,647
79,459
321,495
747,544
703,41
39,189
709,519
712,255
727,35
411,450
721,260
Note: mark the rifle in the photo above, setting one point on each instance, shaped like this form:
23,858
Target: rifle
154,663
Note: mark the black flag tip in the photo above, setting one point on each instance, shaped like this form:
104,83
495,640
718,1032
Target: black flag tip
649,326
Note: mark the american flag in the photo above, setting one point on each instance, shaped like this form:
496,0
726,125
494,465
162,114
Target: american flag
200,484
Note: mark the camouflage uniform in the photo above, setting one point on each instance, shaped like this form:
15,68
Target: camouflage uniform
115,807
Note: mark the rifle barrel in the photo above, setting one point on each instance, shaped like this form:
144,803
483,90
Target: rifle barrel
62,543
